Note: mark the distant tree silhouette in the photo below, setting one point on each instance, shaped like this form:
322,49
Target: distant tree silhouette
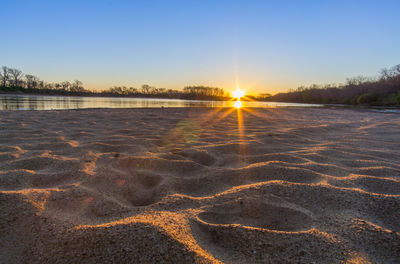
65,85
76,87
203,92
16,75
31,81
146,89
5,75
263,96
384,90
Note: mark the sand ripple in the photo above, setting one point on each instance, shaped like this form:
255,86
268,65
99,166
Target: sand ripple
200,185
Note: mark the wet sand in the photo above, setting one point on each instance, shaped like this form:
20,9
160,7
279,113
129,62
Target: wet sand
199,186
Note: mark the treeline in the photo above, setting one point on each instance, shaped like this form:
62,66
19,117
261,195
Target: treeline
204,92
14,81
381,91
188,92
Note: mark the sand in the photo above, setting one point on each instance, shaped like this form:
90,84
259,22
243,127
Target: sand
200,186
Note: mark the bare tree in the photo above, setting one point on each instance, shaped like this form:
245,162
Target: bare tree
65,85
31,81
146,88
390,73
41,84
76,86
5,76
16,75
396,69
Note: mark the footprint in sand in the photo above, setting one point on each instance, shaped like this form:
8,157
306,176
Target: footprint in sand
144,189
255,213
129,184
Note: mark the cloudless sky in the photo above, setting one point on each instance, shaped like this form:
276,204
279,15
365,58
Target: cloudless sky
266,46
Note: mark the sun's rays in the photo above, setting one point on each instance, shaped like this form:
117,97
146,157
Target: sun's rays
241,132
238,93
217,115
236,106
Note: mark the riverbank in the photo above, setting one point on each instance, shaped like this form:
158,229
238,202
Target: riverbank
171,94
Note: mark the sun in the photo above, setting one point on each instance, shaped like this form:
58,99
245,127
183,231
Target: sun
238,93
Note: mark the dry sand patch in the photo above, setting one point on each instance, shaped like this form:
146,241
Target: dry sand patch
200,185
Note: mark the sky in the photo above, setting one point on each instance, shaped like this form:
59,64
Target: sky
263,46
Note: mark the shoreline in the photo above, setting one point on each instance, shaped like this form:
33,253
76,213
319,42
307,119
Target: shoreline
109,96
313,105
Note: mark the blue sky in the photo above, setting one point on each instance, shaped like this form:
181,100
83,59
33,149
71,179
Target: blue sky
266,46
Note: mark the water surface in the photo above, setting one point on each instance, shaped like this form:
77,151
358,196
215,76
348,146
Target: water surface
35,102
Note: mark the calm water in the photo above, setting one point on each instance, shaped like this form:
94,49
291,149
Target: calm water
32,102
